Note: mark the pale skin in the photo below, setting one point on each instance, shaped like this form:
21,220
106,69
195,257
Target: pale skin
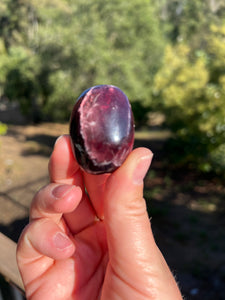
89,236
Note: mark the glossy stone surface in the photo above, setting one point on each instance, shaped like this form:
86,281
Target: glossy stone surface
102,129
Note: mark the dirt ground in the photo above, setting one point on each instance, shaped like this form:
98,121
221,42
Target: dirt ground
186,210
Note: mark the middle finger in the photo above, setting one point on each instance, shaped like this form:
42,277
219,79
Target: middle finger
53,200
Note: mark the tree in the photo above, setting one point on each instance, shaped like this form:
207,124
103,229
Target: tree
13,22
189,89
72,45
190,20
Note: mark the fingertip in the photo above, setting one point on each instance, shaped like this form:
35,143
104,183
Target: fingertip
139,154
66,198
54,200
59,139
142,151
62,164
124,188
62,242
47,238
134,169
143,162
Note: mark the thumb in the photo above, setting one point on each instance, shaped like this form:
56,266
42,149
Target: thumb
126,218
134,256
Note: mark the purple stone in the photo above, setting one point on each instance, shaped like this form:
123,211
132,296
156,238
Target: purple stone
102,129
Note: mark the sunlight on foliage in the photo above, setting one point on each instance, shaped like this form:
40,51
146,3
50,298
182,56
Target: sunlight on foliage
167,56
3,128
190,89
80,44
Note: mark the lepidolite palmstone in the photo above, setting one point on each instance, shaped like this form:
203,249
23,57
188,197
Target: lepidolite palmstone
102,129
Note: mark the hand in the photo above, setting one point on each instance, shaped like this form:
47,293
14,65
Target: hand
89,236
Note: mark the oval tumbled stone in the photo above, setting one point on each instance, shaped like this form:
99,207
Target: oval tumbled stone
102,129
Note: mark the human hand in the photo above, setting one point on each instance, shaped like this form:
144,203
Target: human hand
89,236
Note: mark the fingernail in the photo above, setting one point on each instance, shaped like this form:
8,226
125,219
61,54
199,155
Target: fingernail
58,139
61,241
141,169
61,190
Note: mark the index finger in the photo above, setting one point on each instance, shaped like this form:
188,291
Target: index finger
63,168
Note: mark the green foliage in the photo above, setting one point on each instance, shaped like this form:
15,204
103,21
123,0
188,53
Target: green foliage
3,128
69,46
190,20
166,55
190,90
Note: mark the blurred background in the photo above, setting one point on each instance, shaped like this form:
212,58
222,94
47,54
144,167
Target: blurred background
168,56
